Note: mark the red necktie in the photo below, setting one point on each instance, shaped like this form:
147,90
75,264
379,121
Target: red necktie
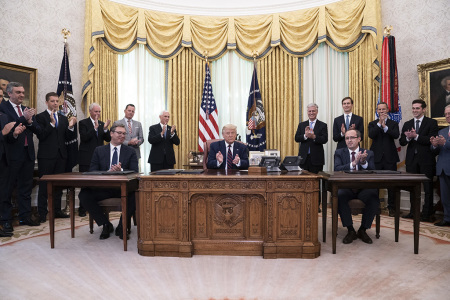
20,114
229,158
353,159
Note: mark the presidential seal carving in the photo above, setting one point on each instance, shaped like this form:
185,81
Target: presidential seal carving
228,211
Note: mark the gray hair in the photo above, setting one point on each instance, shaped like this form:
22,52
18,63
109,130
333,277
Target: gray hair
12,85
313,104
92,106
163,111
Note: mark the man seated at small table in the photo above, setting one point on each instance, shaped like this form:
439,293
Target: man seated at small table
111,157
355,158
228,154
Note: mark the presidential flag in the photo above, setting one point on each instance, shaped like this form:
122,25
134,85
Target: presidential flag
68,108
256,118
208,124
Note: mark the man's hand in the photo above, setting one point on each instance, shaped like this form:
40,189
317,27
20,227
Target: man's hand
343,129
363,157
236,159
18,130
133,141
309,133
382,120
351,127
172,129
219,157
117,167
28,113
437,141
107,124
8,127
72,122
411,134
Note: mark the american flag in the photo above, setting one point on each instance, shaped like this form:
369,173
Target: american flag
208,127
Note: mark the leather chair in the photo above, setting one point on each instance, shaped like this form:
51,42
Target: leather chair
357,207
206,148
108,205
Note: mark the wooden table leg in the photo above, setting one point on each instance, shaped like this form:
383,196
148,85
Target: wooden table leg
397,213
324,210
71,192
334,215
123,198
51,214
416,196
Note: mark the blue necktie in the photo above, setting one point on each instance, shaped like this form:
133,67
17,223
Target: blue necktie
347,122
311,127
115,158
56,120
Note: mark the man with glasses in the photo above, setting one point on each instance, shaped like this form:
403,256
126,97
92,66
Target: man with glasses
355,158
416,133
112,157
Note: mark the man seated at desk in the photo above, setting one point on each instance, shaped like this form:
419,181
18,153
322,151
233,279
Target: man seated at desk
354,158
228,154
111,157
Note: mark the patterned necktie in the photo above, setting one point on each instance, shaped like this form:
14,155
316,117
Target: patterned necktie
20,114
417,125
229,158
347,122
56,120
129,126
114,158
353,159
165,130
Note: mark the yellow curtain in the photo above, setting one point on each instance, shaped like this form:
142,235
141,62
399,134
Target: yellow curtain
279,85
186,75
363,84
104,87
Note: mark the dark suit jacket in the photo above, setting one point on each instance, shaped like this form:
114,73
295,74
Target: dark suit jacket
89,140
16,149
443,162
52,140
4,138
383,145
337,124
316,153
102,157
427,129
238,148
161,146
342,160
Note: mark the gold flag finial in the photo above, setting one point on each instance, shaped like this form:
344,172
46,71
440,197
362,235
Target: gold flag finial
387,30
66,34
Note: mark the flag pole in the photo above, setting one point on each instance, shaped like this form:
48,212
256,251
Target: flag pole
254,54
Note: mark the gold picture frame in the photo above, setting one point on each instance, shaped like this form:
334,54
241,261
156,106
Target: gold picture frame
25,75
431,90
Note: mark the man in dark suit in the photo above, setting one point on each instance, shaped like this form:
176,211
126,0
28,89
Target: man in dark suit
312,135
228,154
162,137
5,205
354,158
383,132
416,133
92,134
441,146
346,122
112,157
56,130
21,153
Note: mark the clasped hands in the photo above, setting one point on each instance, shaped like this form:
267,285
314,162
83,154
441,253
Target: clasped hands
18,130
309,133
360,158
172,130
438,141
219,158
343,130
105,127
411,134
117,167
72,120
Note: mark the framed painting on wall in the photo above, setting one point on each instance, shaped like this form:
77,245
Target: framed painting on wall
25,75
434,79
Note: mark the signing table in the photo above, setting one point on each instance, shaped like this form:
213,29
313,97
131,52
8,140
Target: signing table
229,213
74,180
333,181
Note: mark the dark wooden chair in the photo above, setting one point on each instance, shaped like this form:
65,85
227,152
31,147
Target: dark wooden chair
357,207
109,205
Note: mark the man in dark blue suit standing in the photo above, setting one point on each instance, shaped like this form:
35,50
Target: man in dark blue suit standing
21,152
228,154
112,157
346,122
441,146
354,158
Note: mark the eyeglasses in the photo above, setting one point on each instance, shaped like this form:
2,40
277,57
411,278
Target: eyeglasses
120,132
350,138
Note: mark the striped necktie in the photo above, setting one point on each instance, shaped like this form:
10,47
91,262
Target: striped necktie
229,158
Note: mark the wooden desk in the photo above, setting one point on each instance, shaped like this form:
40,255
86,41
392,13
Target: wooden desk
333,181
234,213
72,180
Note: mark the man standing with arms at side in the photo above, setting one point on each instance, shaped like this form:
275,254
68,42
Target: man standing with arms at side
162,137
383,132
21,152
92,134
416,133
134,137
112,157
354,158
441,146
346,122
56,130
312,135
